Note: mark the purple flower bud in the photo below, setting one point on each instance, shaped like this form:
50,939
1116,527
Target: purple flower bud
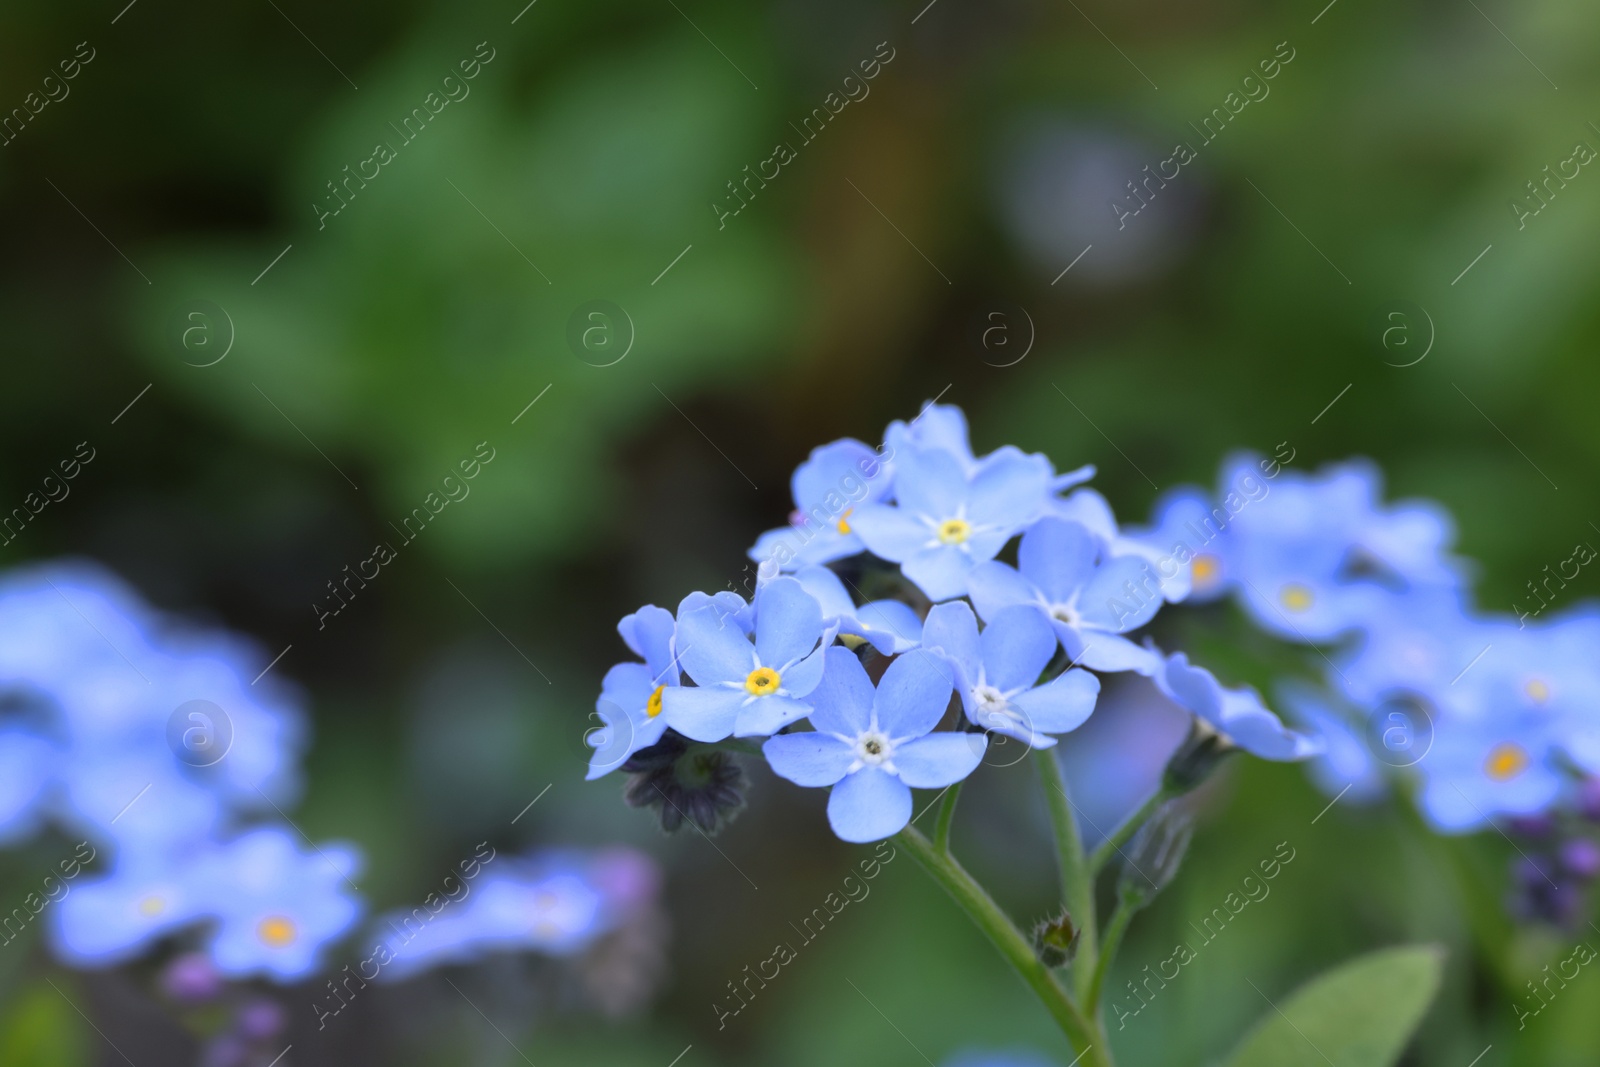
1581,857
1532,825
191,979
1589,799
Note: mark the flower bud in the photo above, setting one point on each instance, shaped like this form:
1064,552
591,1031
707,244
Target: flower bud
1196,758
1153,857
684,783
1056,940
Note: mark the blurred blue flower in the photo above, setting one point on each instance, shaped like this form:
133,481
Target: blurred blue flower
948,518
1321,555
107,920
558,902
745,689
1238,714
28,763
1346,766
835,480
889,626
1478,771
874,745
630,695
1088,597
997,672
276,906
1188,546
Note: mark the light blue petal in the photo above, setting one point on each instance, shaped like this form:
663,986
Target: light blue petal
728,605
648,634
994,586
809,759
827,590
765,716
1061,705
1017,644
890,625
835,477
869,805
702,714
953,630
937,426
628,686
802,678
1091,510
788,622
1057,557
712,646
937,760
1106,604
1107,653
842,702
1010,489
913,694
929,483
940,572
890,533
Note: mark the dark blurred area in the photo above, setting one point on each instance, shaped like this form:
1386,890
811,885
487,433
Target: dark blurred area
975,222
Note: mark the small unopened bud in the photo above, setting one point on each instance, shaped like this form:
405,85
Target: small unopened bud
1056,940
1154,855
1196,758
700,786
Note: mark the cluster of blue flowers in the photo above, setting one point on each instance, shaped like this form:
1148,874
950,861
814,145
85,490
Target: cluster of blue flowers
113,727
1492,717
1017,645
176,754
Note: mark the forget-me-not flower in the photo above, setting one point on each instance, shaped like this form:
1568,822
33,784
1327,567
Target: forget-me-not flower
1089,598
276,906
947,520
630,695
874,745
106,920
742,688
836,479
997,672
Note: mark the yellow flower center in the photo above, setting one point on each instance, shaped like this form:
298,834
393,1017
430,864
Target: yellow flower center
1506,760
1205,569
276,931
763,681
652,707
954,531
1295,597
152,905
844,521
1538,690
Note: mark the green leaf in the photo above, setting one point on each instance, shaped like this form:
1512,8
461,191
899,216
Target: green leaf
1358,1015
42,1030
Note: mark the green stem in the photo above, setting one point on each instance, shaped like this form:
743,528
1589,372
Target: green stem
1115,928
1077,879
946,819
1130,826
1086,1037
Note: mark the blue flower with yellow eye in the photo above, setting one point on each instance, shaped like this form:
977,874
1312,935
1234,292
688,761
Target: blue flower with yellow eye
1188,545
1321,554
630,695
1237,714
947,520
1089,597
889,626
276,907
105,920
1476,772
997,671
873,746
752,671
827,488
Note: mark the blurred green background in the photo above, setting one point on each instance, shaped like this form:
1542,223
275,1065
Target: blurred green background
384,344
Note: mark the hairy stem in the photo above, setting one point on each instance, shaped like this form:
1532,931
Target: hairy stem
1086,1036
1130,826
946,819
1077,878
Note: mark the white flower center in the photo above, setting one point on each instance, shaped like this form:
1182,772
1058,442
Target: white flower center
994,709
1066,613
874,748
